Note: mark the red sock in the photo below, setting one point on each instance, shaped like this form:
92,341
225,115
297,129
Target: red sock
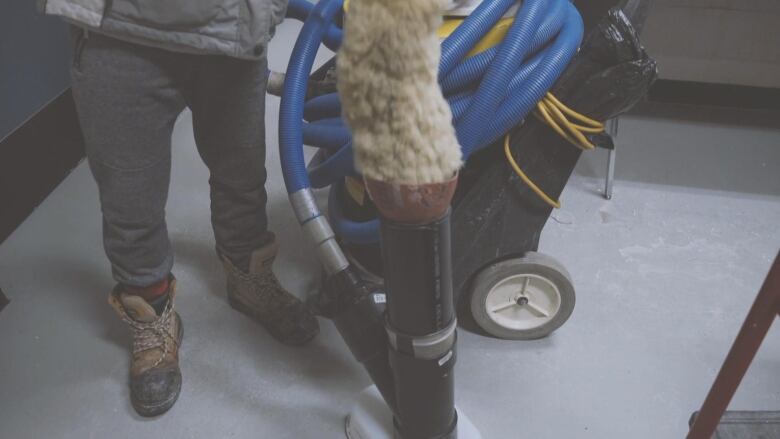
149,293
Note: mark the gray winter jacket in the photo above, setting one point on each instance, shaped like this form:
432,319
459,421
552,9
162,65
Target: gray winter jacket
237,28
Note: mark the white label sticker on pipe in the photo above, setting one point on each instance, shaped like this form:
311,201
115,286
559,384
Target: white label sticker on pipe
445,359
380,298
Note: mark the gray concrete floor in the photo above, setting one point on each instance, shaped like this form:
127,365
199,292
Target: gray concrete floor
664,274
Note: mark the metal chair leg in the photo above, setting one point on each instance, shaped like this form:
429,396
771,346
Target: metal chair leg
612,129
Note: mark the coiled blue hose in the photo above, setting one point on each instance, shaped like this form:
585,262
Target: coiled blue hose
317,23
300,10
492,89
330,134
489,93
322,107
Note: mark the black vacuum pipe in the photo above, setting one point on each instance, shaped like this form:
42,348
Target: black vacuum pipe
421,327
357,310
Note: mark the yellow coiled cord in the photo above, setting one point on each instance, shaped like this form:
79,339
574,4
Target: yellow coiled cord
556,114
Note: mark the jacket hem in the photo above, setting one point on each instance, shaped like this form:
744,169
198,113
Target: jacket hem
183,42
74,12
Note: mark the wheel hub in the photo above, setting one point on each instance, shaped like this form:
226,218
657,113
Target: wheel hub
523,301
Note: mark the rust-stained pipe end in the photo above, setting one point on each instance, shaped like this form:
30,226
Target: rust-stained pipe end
411,203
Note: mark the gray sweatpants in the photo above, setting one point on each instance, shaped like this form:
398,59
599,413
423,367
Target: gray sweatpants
128,97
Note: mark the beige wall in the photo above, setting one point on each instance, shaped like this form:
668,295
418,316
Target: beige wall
721,41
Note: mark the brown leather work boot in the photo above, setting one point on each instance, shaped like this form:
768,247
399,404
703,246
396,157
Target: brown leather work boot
259,295
155,378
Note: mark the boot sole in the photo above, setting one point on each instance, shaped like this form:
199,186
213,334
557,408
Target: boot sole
156,409
247,311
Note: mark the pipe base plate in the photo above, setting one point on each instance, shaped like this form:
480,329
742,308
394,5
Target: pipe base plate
370,418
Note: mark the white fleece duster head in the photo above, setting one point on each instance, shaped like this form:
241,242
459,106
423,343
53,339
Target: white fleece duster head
387,79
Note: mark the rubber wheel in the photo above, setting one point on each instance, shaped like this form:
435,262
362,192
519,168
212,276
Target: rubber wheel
524,298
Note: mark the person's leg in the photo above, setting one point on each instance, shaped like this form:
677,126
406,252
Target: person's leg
127,103
227,98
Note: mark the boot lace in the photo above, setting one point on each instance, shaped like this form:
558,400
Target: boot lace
151,335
